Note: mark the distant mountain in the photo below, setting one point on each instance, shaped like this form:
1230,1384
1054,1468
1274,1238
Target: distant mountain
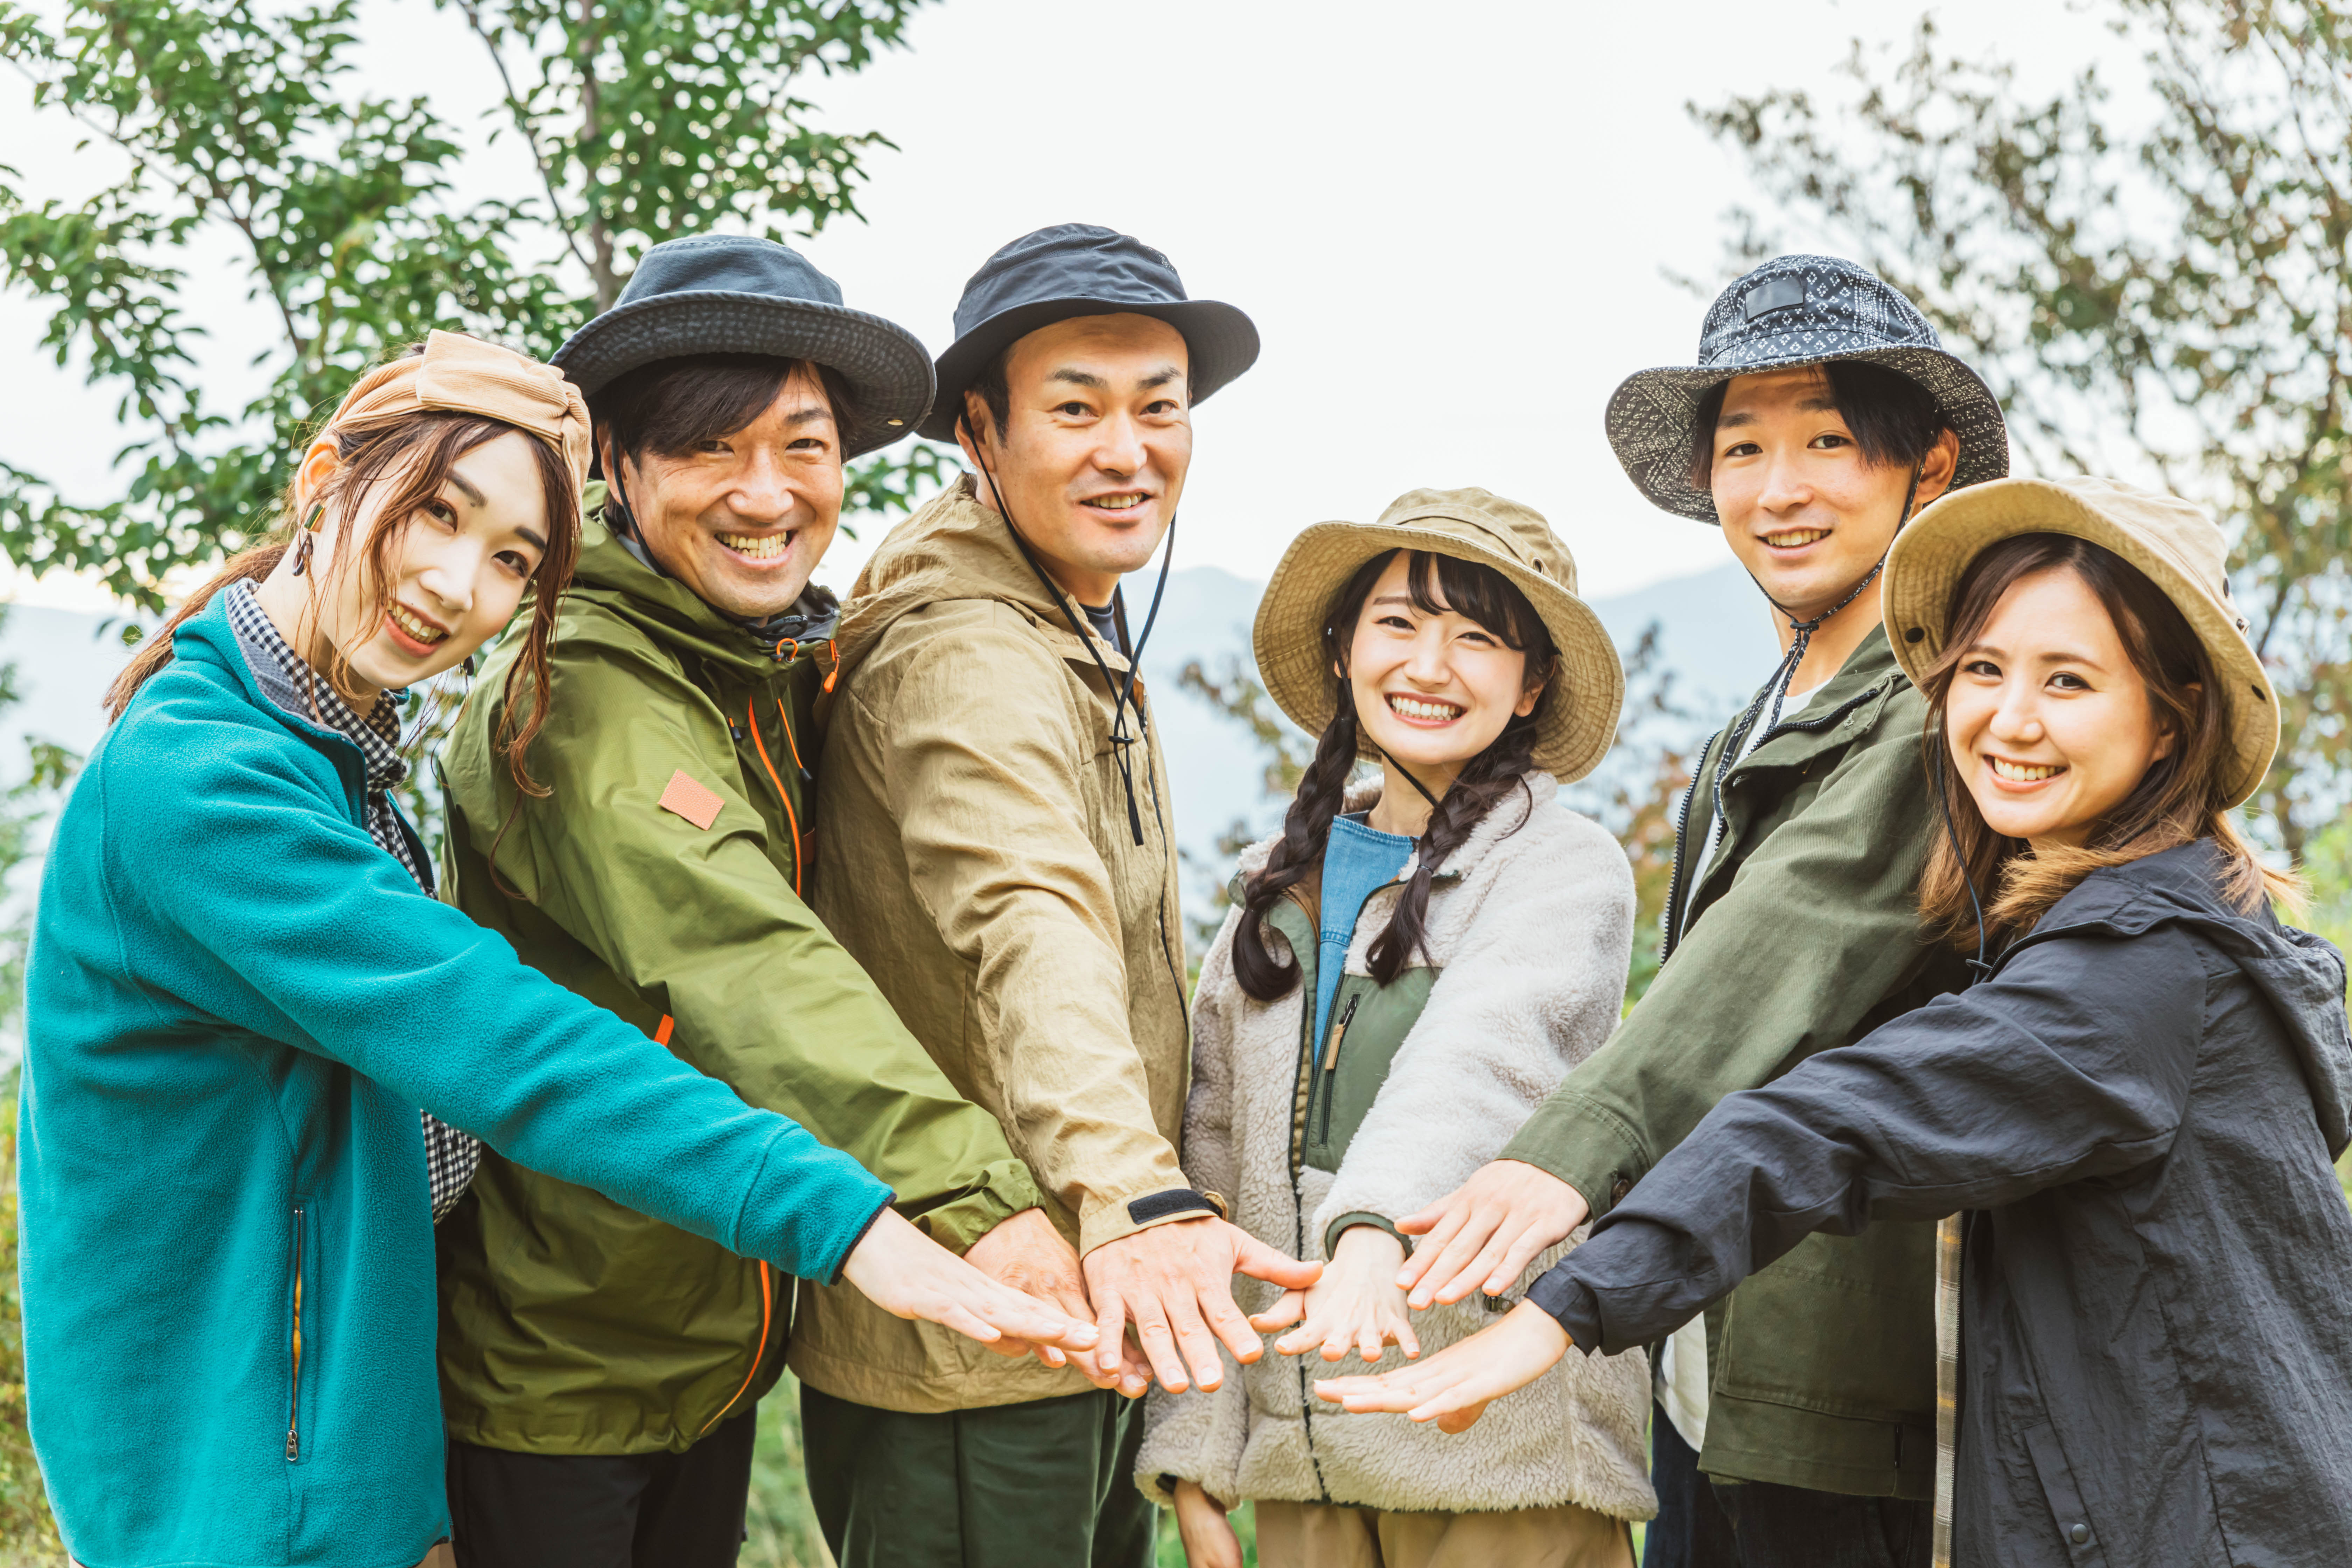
1708,623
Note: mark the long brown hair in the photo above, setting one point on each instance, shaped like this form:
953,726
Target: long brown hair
2181,798
1437,583
413,453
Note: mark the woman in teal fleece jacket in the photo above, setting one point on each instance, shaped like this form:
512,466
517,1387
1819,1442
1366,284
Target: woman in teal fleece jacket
238,1000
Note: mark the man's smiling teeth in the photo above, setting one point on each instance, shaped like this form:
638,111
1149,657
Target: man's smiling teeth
1795,538
1118,502
2024,773
408,621
766,547
1413,708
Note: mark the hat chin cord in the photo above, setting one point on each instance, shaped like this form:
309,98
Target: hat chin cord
1122,690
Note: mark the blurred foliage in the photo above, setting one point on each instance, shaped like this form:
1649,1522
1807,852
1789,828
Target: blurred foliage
249,126
1283,752
2156,285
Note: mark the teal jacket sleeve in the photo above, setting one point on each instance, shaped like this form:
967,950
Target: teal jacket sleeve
267,882
1818,926
765,1000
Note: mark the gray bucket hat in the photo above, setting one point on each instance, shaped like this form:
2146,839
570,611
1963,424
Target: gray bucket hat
1797,310
732,294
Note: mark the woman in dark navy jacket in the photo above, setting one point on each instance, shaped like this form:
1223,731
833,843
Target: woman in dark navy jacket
2136,1109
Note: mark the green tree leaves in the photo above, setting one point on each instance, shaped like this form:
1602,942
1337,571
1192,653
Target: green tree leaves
647,119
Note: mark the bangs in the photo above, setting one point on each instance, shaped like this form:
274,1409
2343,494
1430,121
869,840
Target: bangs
1442,583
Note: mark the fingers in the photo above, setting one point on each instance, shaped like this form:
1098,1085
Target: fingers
1289,1308
1464,1419
1437,1224
1406,1339
1259,1261
1134,1373
1448,1263
1110,1329
1159,1342
1225,1320
1197,1340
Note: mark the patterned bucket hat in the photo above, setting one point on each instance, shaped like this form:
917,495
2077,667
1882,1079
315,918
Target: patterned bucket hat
1796,310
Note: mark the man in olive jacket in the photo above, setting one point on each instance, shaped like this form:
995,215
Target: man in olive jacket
600,1369
997,848
1796,1424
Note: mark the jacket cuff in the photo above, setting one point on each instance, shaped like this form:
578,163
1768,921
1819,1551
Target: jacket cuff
1585,1145
1112,1221
1570,1303
1361,1217
1005,1189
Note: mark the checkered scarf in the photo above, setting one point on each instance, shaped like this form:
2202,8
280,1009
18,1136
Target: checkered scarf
450,1156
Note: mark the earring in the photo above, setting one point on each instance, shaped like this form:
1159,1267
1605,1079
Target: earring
470,667
302,553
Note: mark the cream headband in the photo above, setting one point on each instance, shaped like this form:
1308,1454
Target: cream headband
458,375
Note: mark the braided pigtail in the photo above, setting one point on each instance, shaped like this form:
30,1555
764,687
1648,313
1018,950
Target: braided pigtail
1306,829
1478,789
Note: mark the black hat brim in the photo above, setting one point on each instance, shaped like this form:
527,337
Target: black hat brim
887,367
1652,413
1220,342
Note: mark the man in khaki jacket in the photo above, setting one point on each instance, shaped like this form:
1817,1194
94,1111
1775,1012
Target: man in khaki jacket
996,852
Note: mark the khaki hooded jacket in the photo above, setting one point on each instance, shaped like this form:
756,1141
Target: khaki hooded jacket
975,856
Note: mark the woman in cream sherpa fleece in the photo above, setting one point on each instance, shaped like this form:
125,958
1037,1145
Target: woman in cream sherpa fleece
1409,969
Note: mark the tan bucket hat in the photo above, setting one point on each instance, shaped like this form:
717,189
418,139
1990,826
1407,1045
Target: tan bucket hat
1579,719
2171,541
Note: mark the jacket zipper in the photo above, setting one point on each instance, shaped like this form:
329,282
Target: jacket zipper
294,1382
1332,1068
1299,1211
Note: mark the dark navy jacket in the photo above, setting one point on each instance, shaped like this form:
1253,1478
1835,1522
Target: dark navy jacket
2137,1113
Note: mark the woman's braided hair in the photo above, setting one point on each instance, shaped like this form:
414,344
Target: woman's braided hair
1437,583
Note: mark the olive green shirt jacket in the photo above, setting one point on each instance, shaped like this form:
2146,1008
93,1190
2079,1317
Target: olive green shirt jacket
1800,934
657,878
976,854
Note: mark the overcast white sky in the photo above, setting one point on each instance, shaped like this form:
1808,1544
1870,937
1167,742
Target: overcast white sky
1450,223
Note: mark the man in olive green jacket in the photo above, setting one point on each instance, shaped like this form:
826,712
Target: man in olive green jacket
1796,1425
997,849
598,1368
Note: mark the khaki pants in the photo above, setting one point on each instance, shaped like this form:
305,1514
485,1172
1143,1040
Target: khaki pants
1325,1535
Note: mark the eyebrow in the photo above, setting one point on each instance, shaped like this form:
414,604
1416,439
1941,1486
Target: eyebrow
1073,376
465,487
533,538
808,412
1820,402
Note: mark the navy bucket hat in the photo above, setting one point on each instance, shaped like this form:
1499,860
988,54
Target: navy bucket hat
1081,269
732,294
1797,310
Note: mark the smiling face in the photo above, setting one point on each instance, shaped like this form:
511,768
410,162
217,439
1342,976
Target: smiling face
744,517
1431,689
2049,724
1802,507
1098,434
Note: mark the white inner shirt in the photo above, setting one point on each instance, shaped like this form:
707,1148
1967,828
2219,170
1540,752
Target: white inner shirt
1680,1377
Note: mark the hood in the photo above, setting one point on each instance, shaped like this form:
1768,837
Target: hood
953,548
611,576
2301,974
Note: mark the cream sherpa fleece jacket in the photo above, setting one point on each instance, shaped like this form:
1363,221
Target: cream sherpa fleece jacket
1530,925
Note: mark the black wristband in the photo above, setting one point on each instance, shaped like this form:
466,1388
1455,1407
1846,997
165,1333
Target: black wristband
1174,1201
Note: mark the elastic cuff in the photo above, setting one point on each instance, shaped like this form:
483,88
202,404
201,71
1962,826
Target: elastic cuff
1005,1188
1331,1231
1170,1206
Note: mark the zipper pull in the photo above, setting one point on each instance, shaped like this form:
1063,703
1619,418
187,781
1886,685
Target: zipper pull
293,1445
1339,1033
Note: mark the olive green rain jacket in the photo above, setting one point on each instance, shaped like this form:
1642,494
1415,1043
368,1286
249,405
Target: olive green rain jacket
977,855
1801,933
657,878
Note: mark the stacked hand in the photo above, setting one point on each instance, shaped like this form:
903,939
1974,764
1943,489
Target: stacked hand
1356,1305
1454,1387
1483,1236
908,1274
1175,1283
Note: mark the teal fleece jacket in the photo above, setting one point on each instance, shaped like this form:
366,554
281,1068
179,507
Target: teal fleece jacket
236,1004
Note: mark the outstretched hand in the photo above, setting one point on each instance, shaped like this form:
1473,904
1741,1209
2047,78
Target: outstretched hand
1454,1387
908,1274
1175,1283
1028,1254
1357,1305
1483,1236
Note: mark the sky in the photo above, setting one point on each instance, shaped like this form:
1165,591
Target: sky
1456,228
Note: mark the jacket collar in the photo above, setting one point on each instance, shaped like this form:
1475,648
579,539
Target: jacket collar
206,641
1507,818
1847,703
